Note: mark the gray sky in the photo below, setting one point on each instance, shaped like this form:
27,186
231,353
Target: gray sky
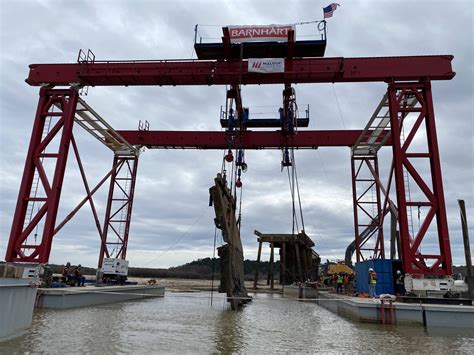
172,223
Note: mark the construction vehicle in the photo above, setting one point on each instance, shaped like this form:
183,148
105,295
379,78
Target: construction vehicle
330,268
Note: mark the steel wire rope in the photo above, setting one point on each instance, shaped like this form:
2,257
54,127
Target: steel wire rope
295,216
339,107
179,238
298,191
293,182
327,177
292,201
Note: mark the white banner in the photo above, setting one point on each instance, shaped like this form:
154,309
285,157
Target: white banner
260,33
266,65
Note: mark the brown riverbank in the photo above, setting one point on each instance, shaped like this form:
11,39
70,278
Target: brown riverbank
194,285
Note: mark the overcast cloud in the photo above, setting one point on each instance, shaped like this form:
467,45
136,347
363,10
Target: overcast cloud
172,223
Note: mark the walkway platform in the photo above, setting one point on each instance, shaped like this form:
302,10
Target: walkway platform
368,310
312,48
72,297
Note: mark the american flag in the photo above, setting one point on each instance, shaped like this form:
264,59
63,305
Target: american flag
329,10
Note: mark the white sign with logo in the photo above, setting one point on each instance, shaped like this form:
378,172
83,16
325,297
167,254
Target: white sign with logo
266,65
254,33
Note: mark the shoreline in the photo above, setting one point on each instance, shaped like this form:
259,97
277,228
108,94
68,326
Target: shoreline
196,285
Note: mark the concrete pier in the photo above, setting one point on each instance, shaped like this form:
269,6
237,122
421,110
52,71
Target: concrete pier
17,299
369,310
72,297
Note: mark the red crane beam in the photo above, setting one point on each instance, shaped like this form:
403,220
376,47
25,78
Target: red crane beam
198,72
248,139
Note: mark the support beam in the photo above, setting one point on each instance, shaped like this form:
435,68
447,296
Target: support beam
272,269
283,264
259,254
304,263
298,262
196,72
248,140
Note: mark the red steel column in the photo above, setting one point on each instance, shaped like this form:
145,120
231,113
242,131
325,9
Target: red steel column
437,181
27,180
17,249
131,193
104,251
359,257
379,246
53,201
414,260
120,199
365,231
398,174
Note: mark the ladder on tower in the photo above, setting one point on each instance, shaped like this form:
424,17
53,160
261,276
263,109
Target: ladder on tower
406,184
35,184
409,102
124,212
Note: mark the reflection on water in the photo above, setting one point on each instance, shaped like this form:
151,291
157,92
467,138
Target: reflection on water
187,323
228,332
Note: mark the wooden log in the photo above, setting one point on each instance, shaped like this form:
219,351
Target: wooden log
283,264
259,254
298,262
272,251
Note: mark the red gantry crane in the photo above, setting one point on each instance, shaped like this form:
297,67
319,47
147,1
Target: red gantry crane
235,62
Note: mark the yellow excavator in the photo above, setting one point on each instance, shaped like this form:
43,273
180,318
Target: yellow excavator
328,269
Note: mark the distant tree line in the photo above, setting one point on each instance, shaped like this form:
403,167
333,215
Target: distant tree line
202,269
197,269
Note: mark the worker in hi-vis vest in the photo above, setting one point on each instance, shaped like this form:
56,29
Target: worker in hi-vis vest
372,283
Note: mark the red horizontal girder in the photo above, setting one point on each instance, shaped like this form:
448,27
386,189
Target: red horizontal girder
248,139
199,72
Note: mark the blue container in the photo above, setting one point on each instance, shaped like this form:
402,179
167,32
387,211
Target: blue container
382,265
383,268
384,288
384,277
362,277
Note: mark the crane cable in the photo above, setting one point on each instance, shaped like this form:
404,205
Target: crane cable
292,192
293,182
298,190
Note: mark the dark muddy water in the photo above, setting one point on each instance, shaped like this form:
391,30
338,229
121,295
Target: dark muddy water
187,323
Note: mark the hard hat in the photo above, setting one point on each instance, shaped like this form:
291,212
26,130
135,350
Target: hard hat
370,269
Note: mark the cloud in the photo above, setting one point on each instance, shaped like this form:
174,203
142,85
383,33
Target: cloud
172,222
